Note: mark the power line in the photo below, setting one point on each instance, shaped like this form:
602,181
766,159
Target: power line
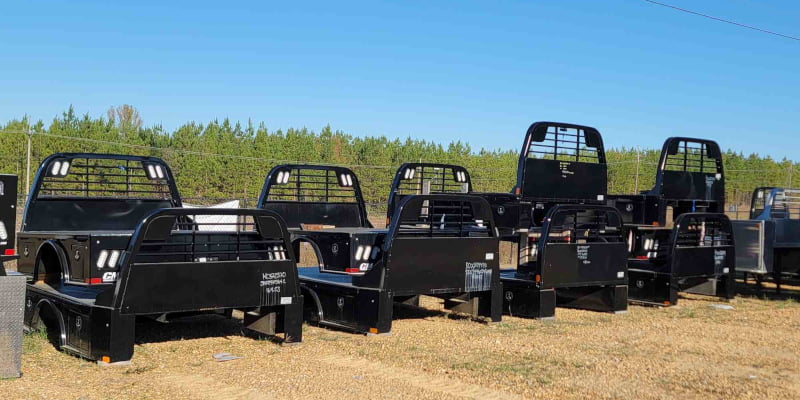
723,20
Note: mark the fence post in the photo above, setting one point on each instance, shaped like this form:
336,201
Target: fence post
28,166
638,160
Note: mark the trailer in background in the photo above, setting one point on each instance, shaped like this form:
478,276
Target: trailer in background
768,244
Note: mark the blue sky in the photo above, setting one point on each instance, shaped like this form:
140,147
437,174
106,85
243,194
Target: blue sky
476,71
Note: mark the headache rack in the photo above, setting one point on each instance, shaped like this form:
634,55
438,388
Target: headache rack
193,239
582,225
417,178
703,230
310,184
692,156
306,195
442,217
786,204
565,143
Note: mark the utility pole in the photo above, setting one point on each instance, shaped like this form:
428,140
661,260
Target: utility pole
638,159
28,166
791,168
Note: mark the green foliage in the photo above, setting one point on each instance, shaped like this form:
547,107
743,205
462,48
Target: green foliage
222,160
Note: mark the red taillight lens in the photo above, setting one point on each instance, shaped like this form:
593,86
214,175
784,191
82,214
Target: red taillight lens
94,281
9,252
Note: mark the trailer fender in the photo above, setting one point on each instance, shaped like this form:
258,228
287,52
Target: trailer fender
50,264
59,319
304,239
313,311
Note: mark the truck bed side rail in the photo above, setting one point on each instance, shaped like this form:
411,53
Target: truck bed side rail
175,263
579,244
314,195
442,242
702,244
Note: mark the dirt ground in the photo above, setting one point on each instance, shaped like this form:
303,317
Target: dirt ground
689,351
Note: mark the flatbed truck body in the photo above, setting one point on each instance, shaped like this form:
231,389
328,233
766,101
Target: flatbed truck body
104,240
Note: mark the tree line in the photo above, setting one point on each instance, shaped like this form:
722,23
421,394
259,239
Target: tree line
223,159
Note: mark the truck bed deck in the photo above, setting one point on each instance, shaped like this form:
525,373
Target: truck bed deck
85,295
313,273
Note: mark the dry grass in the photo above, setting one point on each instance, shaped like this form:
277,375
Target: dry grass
689,351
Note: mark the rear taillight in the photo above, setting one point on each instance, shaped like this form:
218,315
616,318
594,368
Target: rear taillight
366,253
277,253
9,252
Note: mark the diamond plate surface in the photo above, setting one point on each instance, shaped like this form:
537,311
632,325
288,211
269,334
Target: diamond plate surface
12,302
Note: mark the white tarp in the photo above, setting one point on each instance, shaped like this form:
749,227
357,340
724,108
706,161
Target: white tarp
226,222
